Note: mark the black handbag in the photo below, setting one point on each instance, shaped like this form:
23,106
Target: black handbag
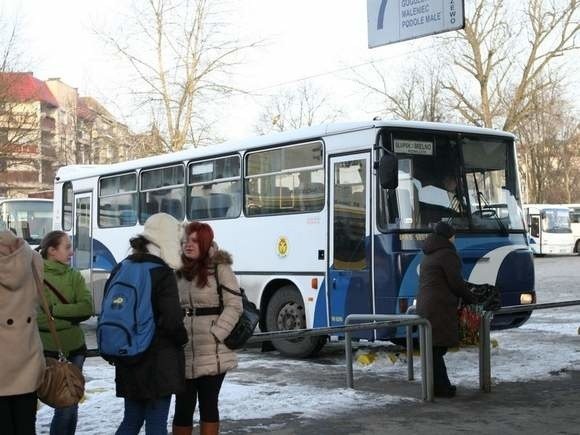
486,295
246,325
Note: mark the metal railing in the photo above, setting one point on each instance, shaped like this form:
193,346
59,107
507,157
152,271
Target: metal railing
425,346
387,321
485,341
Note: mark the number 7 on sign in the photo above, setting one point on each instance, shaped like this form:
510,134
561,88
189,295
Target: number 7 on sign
381,17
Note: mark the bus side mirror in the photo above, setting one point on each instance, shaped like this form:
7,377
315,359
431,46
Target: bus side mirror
389,171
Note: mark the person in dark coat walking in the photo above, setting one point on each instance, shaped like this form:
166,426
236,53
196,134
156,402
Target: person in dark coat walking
147,386
441,284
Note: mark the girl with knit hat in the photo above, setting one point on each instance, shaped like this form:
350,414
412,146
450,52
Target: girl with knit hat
147,385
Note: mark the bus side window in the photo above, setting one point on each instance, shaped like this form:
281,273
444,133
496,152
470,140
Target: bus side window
127,216
219,203
172,207
535,226
198,208
149,209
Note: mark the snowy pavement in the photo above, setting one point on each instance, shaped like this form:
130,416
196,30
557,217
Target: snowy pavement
270,392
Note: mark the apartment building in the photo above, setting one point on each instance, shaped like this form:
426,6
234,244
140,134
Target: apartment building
47,124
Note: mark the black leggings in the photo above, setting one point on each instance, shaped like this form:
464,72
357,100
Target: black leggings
18,414
208,390
440,378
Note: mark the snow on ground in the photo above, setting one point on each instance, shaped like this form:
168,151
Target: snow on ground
547,344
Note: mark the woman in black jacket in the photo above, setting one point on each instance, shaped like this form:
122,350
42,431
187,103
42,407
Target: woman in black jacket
147,385
441,285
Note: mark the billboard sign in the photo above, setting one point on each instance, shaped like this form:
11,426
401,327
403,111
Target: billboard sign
398,20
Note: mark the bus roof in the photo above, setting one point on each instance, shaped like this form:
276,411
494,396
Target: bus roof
25,200
72,172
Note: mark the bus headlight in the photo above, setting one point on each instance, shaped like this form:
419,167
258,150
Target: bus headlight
526,298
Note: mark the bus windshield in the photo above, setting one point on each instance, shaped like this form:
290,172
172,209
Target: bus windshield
470,183
30,220
556,221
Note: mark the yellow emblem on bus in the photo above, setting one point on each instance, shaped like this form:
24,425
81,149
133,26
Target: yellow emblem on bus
282,246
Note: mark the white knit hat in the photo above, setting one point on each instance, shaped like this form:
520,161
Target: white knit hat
164,231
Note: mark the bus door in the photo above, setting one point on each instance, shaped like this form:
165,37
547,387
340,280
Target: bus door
349,266
82,235
536,231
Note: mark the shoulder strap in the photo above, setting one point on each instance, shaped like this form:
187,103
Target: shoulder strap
219,288
51,326
58,294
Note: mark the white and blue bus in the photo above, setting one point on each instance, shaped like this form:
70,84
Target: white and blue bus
322,222
549,228
29,218
575,225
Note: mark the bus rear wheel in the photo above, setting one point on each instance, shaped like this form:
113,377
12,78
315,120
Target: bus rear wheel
285,311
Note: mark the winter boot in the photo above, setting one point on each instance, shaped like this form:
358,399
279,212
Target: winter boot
209,428
182,430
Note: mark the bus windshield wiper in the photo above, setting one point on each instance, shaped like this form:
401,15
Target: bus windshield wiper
486,206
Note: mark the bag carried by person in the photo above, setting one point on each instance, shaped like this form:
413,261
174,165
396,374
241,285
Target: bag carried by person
487,298
246,325
487,295
469,320
126,325
63,383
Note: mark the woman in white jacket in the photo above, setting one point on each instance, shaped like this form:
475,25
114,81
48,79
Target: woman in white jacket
207,359
21,358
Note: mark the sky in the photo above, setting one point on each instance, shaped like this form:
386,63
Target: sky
320,41
301,39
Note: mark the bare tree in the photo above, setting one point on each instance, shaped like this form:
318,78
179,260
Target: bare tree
19,115
549,148
501,68
419,97
569,166
303,106
182,56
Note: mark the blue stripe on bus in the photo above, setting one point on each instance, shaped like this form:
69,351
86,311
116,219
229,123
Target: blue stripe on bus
102,257
320,313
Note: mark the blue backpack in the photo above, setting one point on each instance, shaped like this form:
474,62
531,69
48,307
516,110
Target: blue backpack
126,325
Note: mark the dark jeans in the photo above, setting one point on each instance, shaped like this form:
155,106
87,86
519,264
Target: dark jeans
207,388
64,421
18,414
153,412
440,378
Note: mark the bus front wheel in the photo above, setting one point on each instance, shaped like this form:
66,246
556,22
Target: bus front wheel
285,311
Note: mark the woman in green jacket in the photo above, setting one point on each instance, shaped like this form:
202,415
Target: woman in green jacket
70,303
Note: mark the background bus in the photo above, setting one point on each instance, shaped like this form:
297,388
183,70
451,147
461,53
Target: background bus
314,235
549,228
29,218
575,224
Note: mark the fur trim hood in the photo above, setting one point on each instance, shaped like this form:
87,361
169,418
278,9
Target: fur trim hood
222,257
15,261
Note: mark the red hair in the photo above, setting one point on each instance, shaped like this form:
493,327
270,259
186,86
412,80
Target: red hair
199,268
